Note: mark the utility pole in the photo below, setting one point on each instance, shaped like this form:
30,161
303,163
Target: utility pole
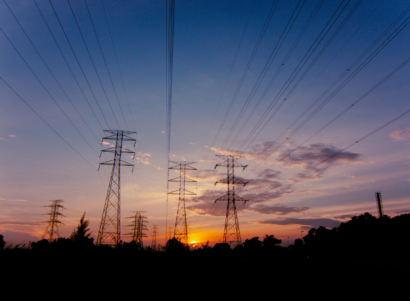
110,226
379,203
138,227
232,233
154,238
53,222
181,228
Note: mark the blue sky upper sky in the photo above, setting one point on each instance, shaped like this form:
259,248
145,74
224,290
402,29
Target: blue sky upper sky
255,78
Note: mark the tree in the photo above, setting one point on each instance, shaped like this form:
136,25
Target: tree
174,245
2,243
81,236
270,242
253,243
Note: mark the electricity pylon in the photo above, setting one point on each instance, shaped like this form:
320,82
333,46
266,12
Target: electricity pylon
232,233
169,233
138,227
181,228
110,226
154,237
53,223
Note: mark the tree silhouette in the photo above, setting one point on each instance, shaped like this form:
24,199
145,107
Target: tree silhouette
81,236
174,245
2,243
270,242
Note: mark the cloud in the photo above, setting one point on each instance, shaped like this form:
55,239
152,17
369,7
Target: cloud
400,134
12,200
12,136
1,138
311,222
403,211
206,175
345,216
18,237
308,157
276,209
22,223
270,174
259,153
192,143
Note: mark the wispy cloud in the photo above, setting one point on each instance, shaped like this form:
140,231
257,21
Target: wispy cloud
308,158
400,134
276,209
12,136
311,222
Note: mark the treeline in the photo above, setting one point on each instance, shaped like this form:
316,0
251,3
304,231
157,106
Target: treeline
363,237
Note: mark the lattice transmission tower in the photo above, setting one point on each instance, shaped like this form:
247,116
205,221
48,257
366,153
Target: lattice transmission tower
181,227
54,222
138,227
232,234
169,233
110,226
154,237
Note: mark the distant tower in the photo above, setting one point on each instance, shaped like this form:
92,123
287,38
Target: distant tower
110,226
232,233
181,227
170,233
154,238
53,223
379,203
138,227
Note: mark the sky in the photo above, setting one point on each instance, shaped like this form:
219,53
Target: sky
308,92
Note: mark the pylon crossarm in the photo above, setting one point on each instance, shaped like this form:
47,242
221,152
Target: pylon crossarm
222,198
174,192
187,192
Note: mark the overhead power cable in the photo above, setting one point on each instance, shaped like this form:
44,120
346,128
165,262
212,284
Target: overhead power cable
92,62
69,68
79,65
118,65
25,102
266,67
169,58
105,63
47,91
248,65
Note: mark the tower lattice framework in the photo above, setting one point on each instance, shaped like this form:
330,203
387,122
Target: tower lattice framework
138,227
110,226
232,234
181,226
54,222
154,237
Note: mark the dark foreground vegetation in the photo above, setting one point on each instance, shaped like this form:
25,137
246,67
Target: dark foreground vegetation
365,246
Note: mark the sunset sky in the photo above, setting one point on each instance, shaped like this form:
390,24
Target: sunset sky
252,78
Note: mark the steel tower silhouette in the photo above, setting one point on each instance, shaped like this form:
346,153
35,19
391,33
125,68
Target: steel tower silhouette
110,226
379,204
138,227
53,223
232,233
154,237
181,227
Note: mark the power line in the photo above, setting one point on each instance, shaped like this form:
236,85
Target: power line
48,92
79,65
105,63
92,62
118,65
47,123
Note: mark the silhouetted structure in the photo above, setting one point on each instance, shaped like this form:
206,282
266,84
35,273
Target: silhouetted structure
138,227
154,238
169,233
181,227
232,233
379,203
110,226
53,223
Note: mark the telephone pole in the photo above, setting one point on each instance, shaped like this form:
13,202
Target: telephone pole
154,237
379,203
53,223
110,226
232,233
138,227
181,227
